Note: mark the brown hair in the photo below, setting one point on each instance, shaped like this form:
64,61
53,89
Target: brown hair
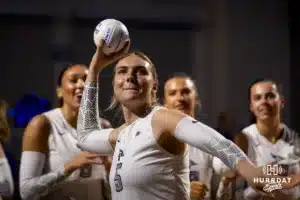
4,126
141,55
184,76
66,67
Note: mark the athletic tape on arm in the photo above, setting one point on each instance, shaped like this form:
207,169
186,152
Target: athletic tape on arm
90,135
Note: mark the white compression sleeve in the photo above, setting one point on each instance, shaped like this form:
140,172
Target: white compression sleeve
6,180
90,135
33,183
97,141
199,135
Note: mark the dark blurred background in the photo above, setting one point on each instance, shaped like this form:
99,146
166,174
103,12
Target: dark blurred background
224,44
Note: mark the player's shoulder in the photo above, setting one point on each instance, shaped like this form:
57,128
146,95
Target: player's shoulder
240,136
38,128
246,133
251,129
36,134
120,128
165,116
39,123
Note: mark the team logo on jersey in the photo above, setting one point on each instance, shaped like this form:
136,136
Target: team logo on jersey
61,132
192,163
137,133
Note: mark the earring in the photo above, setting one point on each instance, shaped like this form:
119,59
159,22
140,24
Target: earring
59,94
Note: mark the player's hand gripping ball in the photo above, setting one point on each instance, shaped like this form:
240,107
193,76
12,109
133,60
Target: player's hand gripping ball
113,32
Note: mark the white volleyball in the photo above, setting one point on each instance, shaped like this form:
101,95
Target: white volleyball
113,32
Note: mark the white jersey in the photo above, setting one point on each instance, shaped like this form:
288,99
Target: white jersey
263,152
201,168
143,170
82,184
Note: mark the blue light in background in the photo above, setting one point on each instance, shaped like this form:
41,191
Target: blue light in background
27,107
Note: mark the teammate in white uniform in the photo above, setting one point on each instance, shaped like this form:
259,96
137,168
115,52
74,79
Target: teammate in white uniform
151,157
180,93
52,166
6,180
268,140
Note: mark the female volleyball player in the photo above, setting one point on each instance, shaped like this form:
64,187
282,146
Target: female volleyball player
52,166
6,180
150,157
268,139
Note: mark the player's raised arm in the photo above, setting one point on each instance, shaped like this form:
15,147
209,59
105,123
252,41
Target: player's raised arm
91,137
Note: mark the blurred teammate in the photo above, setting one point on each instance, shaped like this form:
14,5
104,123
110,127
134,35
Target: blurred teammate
52,166
268,140
180,93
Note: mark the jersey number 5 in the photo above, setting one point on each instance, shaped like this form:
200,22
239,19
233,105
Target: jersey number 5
118,179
